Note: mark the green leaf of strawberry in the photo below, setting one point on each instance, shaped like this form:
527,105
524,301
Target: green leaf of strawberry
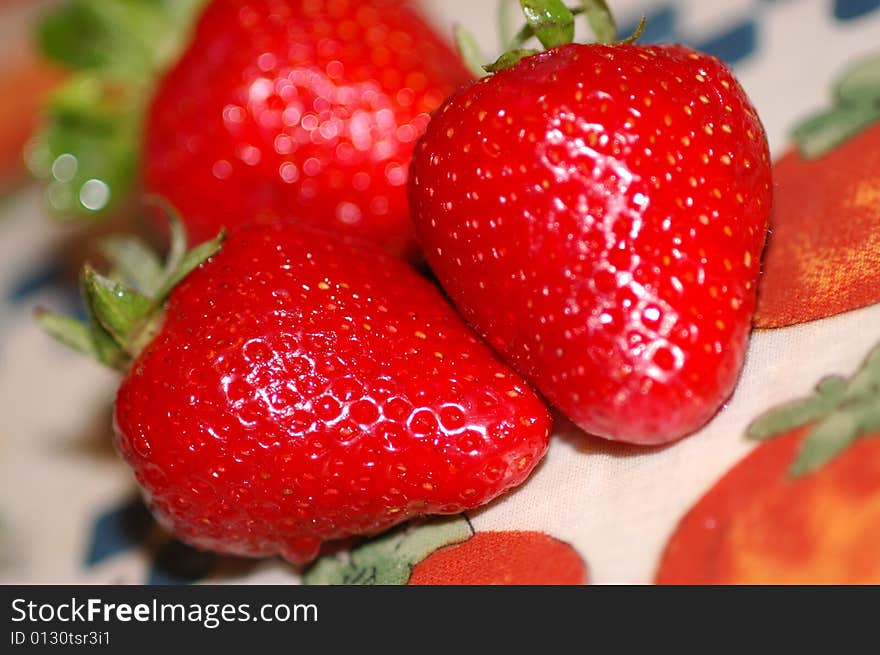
788,416
124,35
839,411
119,309
134,263
124,309
69,331
390,558
469,50
601,20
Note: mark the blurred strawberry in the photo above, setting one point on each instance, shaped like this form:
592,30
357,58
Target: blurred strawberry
275,109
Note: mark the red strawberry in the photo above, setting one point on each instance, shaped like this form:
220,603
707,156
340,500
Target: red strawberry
287,108
300,390
598,212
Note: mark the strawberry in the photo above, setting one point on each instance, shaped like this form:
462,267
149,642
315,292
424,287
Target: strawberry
291,109
296,389
597,212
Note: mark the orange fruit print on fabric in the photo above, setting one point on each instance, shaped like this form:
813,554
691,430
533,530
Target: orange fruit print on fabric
758,525
823,255
503,558
447,551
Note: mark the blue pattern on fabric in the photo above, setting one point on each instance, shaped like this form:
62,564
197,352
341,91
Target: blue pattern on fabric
34,281
117,530
46,277
130,526
850,9
733,45
177,563
738,41
659,25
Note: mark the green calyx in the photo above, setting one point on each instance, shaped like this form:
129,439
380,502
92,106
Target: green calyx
124,309
839,411
88,148
551,22
856,106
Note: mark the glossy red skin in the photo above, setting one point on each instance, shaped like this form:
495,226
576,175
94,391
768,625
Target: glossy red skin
559,202
301,390
310,110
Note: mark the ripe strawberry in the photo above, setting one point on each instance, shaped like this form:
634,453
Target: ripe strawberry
299,390
293,109
598,212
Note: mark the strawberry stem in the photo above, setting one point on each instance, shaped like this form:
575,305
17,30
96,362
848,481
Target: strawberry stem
552,22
